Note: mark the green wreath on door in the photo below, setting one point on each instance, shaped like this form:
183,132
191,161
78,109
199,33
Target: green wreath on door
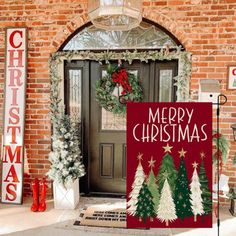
116,88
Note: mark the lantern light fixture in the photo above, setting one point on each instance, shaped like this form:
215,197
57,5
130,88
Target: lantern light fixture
115,15
233,126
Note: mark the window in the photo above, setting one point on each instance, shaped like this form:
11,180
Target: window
145,36
166,86
74,108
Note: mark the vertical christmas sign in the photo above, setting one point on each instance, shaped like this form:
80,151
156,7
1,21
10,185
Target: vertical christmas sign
169,165
14,115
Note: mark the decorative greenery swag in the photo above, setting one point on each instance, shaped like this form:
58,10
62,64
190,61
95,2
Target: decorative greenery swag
56,60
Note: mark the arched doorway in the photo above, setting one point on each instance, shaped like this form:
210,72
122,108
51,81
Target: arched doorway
103,134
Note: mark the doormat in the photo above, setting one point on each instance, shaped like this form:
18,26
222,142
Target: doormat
114,217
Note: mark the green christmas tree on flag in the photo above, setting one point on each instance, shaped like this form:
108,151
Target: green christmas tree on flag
152,186
166,209
145,205
136,186
182,192
206,193
167,165
196,198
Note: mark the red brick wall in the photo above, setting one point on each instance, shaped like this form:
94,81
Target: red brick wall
207,29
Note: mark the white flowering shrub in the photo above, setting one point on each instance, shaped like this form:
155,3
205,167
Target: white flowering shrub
65,157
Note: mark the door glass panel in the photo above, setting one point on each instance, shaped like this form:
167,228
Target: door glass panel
112,121
75,94
165,89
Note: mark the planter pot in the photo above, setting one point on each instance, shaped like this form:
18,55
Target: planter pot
66,198
233,207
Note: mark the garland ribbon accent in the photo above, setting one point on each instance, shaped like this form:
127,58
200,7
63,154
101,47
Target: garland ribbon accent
108,88
223,149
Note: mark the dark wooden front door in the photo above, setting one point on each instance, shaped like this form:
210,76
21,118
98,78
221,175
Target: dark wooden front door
103,133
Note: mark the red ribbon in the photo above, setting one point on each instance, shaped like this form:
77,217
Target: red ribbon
218,153
121,77
217,135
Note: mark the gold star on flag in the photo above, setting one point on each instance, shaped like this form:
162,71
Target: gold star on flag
140,156
195,164
151,162
167,148
202,155
182,153
165,174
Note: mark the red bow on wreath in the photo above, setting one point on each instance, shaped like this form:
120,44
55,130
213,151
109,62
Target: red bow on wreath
218,153
121,77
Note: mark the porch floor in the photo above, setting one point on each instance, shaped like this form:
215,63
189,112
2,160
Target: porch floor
19,220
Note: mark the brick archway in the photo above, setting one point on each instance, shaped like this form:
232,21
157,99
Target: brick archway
152,15
67,30
167,23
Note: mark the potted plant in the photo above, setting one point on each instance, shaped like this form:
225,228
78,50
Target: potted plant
232,196
66,162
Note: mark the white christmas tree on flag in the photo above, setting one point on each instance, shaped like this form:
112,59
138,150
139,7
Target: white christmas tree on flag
136,186
196,198
166,209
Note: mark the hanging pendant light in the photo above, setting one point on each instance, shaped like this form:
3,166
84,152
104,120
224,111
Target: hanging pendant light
117,15
233,126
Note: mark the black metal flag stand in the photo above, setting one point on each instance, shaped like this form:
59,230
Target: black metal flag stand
221,100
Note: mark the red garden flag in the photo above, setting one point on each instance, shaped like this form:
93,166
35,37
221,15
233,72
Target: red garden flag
169,165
